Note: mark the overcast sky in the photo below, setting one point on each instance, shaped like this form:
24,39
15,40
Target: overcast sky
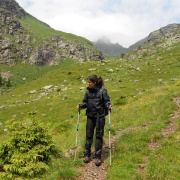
121,21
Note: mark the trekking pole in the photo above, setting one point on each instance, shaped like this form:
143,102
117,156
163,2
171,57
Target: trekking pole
109,127
77,129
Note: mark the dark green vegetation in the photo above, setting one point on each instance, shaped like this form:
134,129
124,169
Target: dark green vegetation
26,151
141,91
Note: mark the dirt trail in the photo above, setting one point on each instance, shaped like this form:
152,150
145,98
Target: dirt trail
170,128
90,171
166,131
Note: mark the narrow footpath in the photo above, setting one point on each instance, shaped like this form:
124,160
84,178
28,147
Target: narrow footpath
90,171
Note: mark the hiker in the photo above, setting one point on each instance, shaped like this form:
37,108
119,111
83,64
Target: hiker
97,102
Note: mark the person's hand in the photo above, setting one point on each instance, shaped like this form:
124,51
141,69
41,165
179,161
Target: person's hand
109,107
79,107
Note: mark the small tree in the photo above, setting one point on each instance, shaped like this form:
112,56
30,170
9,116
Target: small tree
27,151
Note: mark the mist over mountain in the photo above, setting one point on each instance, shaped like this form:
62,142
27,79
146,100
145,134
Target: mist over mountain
109,49
115,49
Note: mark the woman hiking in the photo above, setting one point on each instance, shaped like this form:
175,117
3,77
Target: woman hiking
97,102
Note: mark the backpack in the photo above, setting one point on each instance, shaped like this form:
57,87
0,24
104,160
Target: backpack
101,98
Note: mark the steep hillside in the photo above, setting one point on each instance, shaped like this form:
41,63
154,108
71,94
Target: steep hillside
171,31
155,42
25,39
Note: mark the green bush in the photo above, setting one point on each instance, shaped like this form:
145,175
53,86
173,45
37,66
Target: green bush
27,150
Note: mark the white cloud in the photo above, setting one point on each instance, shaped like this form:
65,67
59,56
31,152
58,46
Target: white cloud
122,21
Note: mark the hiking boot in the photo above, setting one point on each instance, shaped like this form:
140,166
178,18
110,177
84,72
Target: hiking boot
87,159
98,162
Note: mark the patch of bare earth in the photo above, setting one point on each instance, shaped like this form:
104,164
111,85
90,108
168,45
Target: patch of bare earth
90,171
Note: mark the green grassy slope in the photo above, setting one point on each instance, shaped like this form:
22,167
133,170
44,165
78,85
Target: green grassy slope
42,30
141,92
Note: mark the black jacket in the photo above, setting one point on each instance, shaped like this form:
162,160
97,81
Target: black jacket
95,102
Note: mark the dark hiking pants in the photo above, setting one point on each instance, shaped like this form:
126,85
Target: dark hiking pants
98,124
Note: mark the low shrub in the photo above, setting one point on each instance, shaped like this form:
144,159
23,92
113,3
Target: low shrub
27,150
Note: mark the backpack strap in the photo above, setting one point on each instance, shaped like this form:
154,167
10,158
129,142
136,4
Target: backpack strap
101,92
101,98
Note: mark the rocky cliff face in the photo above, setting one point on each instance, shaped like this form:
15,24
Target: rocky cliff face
17,44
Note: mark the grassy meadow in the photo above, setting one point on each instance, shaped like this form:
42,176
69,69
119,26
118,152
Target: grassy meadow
141,92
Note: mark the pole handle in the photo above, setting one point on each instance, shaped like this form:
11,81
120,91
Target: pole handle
109,126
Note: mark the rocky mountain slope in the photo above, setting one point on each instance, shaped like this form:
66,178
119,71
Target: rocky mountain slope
171,31
25,39
156,40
